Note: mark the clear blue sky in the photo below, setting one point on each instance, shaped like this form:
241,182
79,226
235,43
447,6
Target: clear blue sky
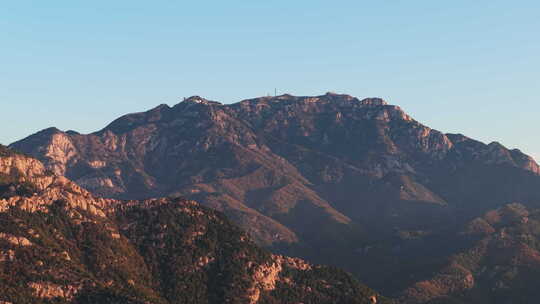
458,66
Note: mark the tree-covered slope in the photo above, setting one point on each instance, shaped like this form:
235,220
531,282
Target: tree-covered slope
60,244
499,262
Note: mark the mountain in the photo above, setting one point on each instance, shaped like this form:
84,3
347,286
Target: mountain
61,244
333,179
500,263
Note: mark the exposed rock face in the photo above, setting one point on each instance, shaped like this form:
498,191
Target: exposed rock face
60,244
15,240
267,276
49,290
321,177
50,187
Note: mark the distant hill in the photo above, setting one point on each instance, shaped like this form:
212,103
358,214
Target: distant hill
499,262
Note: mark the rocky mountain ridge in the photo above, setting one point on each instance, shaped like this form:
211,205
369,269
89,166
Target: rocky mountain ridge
330,178
64,148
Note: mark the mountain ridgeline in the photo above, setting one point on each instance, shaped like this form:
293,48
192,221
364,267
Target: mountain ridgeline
61,244
333,179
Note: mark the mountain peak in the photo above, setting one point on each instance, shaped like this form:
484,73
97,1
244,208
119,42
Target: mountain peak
338,96
329,97
199,100
37,138
51,130
161,107
374,101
